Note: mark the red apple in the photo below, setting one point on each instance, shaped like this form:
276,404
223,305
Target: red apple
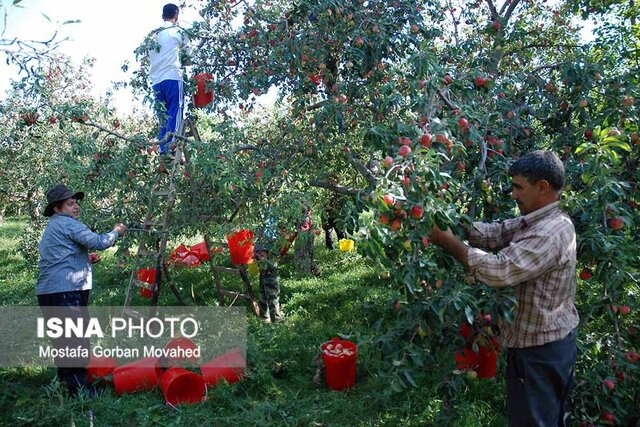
616,223
359,41
461,166
588,134
52,120
425,140
388,199
384,219
404,151
396,225
624,309
417,211
403,140
628,101
116,123
585,275
631,357
635,138
608,383
607,418
583,103
463,123
448,79
481,81
387,162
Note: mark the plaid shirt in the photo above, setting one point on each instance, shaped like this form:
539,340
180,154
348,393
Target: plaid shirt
537,256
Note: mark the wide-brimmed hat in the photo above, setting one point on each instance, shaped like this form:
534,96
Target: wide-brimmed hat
59,193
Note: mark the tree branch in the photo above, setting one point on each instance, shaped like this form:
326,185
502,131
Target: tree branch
334,187
492,8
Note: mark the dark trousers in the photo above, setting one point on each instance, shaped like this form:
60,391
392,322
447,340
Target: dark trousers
539,380
72,372
328,224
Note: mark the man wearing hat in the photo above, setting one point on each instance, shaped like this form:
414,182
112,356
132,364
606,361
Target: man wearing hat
65,269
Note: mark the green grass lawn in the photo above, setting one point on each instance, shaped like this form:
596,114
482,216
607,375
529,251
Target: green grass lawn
347,298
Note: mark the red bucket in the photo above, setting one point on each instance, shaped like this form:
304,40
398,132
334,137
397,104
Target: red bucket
484,362
241,247
229,366
147,275
339,358
200,250
140,375
202,97
181,344
181,386
100,368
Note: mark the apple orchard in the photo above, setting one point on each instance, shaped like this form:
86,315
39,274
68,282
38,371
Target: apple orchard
410,112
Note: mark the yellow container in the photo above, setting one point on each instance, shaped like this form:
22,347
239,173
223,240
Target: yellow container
253,268
346,245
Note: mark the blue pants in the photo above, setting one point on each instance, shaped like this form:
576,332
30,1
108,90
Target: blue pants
70,371
169,107
539,380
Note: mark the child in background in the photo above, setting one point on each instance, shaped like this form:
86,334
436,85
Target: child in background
269,287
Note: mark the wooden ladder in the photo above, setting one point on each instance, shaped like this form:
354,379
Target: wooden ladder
155,233
239,270
155,229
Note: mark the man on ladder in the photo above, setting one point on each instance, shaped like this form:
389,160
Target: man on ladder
171,52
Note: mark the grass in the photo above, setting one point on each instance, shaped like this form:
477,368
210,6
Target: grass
279,389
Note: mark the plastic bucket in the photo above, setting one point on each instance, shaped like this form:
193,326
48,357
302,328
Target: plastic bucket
200,250
487,362
100,368
181,386
140,375
202,97
339,358
346,245
147,275
484,361
241,247
145,292
229,366
180,344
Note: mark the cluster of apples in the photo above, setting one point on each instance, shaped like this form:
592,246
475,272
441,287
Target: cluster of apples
337,350
394,218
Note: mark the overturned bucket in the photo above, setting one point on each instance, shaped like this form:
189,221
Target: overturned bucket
181,351
339,358
179,385
228,366
141,375
100,368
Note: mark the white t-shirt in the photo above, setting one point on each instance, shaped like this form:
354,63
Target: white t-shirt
165,64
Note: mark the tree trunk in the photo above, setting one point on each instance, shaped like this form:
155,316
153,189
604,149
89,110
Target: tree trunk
304,261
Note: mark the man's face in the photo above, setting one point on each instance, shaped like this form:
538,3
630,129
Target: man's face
525,194
69,207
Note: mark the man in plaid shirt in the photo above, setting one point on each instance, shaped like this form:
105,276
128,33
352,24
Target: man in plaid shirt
536,255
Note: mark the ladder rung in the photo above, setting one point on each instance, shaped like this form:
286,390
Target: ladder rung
234,294
148,253
226,269
151,224
142,284
161,193
132,313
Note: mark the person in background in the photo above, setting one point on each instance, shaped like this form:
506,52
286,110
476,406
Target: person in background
536,255
166,60
267,251
65,273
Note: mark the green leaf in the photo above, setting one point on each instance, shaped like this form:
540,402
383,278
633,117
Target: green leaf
469,313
